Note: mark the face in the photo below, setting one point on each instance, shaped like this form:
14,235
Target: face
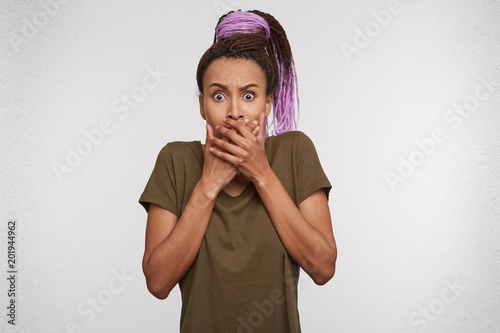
233,88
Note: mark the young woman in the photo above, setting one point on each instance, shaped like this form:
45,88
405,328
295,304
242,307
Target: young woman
233,220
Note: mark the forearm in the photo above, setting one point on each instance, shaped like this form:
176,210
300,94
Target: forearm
305,244
172,258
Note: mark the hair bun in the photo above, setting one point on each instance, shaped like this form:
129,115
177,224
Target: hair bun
241,23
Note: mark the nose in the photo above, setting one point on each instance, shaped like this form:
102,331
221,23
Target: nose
234,111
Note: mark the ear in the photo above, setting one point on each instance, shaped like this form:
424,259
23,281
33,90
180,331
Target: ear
269,104
202,107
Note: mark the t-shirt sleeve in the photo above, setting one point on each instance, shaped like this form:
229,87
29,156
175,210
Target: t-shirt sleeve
311,176
161,188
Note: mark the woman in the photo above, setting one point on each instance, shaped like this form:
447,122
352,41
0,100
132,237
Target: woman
232,221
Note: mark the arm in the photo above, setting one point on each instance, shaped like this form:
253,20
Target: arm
172,245
306,231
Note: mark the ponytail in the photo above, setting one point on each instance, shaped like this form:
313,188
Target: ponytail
259,36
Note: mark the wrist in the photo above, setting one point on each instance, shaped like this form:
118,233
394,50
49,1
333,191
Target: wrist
208,189
267,177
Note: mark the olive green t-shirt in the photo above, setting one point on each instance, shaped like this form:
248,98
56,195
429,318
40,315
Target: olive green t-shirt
243,279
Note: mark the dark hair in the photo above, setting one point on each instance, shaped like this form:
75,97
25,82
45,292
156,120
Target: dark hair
272,54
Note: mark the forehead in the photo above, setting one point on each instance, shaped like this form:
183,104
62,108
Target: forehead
234,71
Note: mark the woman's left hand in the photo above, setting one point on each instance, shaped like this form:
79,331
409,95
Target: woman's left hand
246,151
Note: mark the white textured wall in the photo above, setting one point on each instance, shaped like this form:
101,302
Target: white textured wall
409,102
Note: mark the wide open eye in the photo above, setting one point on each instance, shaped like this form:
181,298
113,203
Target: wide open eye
248,96
219,97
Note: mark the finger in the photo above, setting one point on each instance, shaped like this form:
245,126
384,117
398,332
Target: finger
262,125
210,135
250,124
224,125
254,127
225,139
241,128
230,134
240,124
223,154
240,120
234,137
228,147
255,130
211,146
209,143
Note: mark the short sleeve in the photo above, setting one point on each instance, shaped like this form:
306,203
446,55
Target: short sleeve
311,176
161,188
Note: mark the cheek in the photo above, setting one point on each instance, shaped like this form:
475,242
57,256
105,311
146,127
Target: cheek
257,107
214,116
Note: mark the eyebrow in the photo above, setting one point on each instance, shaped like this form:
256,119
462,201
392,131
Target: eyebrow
241,89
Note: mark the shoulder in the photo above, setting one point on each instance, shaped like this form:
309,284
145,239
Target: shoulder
291,138
176,148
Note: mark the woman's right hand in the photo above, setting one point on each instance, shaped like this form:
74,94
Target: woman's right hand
217,173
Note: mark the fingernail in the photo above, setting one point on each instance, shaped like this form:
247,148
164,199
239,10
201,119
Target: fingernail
246,120
255,122
225,119
217,127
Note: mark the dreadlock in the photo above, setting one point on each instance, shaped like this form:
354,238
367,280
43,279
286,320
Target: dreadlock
258,36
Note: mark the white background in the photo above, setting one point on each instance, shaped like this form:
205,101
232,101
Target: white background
400,247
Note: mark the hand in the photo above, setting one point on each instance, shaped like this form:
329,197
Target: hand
253,126
217,173
243,149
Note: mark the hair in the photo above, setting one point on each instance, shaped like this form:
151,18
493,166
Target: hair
258,36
